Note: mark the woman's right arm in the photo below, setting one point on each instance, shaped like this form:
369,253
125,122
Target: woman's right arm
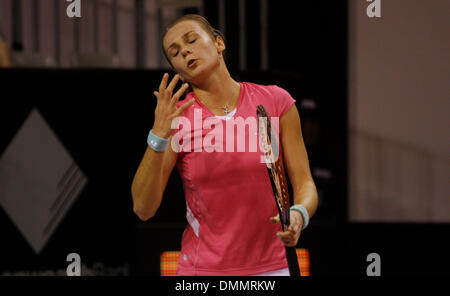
151,180
155,168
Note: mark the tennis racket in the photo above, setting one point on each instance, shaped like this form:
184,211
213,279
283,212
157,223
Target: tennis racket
277,177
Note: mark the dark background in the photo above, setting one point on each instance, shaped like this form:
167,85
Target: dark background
103,117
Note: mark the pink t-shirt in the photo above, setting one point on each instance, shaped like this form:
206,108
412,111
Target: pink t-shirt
228,193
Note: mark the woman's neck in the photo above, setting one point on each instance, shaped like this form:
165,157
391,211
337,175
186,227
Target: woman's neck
218,90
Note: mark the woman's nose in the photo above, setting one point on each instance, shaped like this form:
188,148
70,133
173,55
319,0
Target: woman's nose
185,51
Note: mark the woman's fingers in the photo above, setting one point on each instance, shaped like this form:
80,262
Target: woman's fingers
172,85
275,219
165,91
289,238
183,107
292,234
166,109
179,93
163,84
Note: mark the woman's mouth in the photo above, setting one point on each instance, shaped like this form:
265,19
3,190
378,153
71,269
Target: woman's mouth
192,63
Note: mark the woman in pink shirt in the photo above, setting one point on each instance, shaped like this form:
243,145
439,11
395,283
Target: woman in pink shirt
229,199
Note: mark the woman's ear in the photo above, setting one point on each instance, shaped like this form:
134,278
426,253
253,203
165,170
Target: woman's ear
220,44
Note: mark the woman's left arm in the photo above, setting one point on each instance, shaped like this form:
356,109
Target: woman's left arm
297,166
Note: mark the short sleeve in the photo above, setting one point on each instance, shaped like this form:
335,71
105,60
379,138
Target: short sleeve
283,100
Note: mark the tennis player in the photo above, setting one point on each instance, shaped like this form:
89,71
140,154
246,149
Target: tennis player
233,227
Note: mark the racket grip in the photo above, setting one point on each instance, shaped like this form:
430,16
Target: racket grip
291,256
286,217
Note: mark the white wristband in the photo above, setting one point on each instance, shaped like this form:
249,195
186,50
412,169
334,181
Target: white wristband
302,210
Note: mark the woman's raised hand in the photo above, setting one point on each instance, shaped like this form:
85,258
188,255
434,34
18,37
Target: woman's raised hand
166,108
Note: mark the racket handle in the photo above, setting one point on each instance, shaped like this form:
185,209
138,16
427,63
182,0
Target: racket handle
291,256
286,217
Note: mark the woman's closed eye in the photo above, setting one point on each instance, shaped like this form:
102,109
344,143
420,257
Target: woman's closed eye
175,53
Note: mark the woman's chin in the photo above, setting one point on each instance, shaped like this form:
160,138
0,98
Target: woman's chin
199,74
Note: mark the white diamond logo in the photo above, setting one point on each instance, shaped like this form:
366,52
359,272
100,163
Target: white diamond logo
39,181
